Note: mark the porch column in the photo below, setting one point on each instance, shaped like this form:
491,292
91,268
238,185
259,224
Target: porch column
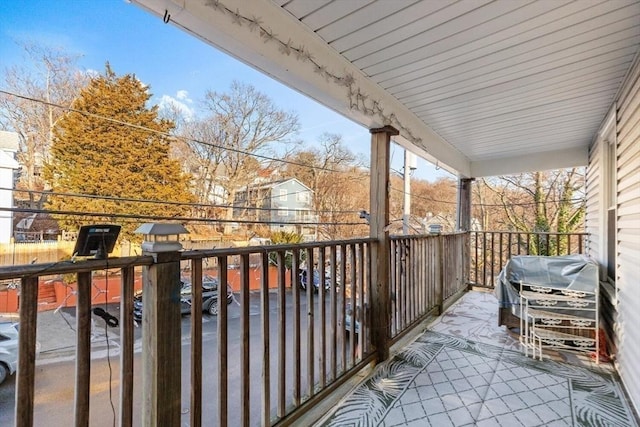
379,209
463,219
161,341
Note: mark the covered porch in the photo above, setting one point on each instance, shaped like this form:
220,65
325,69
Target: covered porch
479,88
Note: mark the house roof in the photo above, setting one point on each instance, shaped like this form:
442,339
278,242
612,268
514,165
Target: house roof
479,87
7,161
274,184
9,141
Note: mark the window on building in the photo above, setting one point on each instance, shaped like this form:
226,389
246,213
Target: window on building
283,195
283,212
303,197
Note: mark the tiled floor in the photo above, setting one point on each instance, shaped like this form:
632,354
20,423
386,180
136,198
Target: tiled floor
467,371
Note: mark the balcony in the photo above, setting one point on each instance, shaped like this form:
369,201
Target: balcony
465,370
278,356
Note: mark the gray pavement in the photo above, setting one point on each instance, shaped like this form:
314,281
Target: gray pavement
56,334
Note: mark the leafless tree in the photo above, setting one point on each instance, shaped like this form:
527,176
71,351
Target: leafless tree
51,81
435,200
549,201
241,125
336,176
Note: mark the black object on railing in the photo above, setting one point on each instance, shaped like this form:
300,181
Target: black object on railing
109,319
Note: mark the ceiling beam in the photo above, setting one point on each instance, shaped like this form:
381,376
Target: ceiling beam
569,158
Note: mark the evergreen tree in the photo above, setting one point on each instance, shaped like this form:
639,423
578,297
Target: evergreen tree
286,238
113,145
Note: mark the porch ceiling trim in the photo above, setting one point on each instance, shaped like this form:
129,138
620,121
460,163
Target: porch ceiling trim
571,157
471,85
258,33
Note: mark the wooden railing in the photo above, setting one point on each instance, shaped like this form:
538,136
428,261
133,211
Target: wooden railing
301,354
490,250
29,277
426,272
277,352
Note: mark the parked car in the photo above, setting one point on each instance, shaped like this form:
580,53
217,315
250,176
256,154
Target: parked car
209,297
348,319
8,350
304,282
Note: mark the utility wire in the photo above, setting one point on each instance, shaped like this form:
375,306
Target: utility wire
250,208
170,218
235,150
165,134
162,202
413,195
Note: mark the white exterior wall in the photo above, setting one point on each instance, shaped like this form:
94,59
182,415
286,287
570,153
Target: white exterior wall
6,201
595,201
627,254
7,166
628,234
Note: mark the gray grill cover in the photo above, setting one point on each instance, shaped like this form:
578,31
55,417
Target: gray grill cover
574,272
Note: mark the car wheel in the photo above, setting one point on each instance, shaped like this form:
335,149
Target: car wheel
213,308
3,373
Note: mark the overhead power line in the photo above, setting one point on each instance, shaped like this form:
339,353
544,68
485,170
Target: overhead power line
430,199
165,134
235,150
169,218
162,202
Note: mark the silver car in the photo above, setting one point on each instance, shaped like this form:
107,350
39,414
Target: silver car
8,349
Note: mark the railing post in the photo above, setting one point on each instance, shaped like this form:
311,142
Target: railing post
25,382
83,350
440,276
126,347
466,259
161,341
379,219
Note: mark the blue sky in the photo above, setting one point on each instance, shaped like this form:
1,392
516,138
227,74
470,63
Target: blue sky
176,66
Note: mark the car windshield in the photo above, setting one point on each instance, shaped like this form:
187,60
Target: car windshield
209,283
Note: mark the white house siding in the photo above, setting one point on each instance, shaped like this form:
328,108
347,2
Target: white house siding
7,167
628,234
595,224
9,143
594,203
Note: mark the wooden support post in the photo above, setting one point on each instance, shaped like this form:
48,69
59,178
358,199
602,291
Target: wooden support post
464,204
161,341
464,224
379,219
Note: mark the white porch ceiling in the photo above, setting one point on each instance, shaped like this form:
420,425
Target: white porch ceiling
482,87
